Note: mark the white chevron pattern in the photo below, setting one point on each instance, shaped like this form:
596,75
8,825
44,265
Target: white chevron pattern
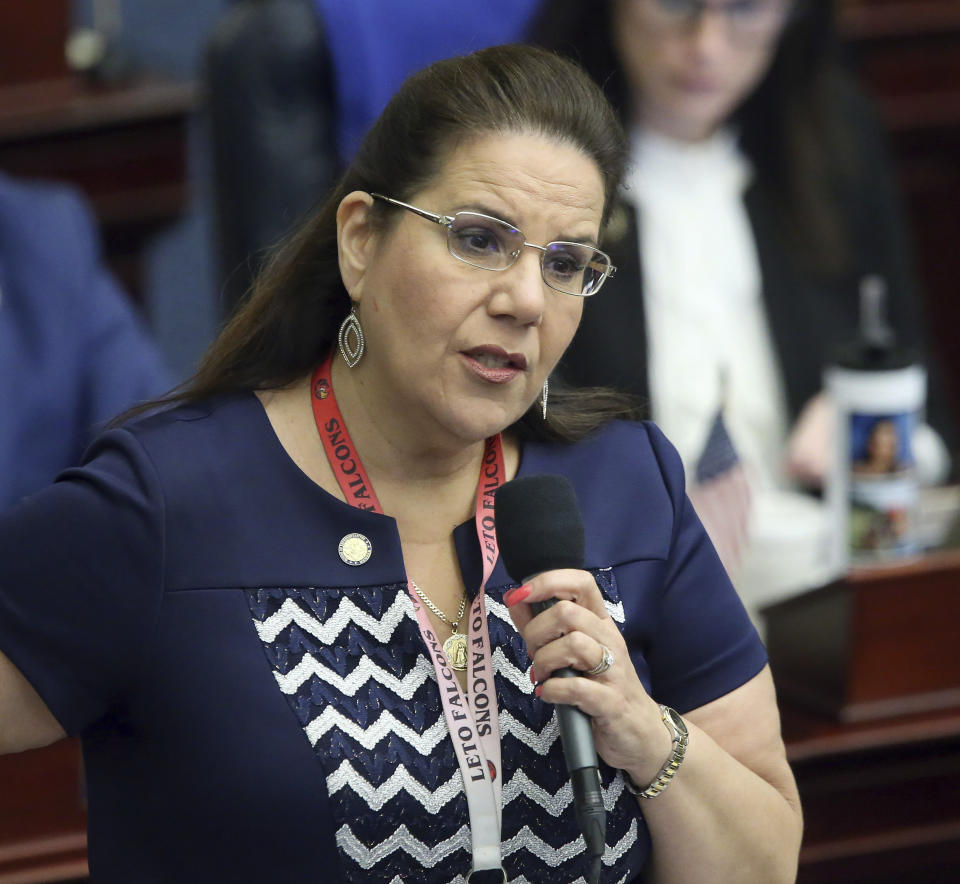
364,671
345,776
539,742
347,613
388,726
396,879
502,612
580,880
459,879
615,610
383,727
525,839
520,785
519,678
612,794
614,852
558,803
401,839
554,856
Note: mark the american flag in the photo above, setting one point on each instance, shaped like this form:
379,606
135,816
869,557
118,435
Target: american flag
721,495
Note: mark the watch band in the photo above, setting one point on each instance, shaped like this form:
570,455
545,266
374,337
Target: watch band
678,731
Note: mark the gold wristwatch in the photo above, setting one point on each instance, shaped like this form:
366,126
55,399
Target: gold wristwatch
678,731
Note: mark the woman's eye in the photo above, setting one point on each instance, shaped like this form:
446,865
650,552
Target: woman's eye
564,266
678,7
744,8
478,241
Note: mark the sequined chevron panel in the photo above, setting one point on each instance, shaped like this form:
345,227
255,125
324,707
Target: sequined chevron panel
354,669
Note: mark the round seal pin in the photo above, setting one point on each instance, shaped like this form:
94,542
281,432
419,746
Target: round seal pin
355,549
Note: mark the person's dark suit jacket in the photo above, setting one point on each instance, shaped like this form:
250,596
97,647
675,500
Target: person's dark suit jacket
809,314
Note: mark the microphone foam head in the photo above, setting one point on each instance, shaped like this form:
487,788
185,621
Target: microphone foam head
539,527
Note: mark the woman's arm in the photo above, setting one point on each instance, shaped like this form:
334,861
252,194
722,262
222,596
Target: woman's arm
732,812
731,815
25,720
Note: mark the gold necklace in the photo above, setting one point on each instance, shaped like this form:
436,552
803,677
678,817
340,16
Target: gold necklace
454,647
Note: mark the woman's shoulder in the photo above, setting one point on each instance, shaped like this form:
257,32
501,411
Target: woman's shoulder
630,485
633,447
187,445
196,423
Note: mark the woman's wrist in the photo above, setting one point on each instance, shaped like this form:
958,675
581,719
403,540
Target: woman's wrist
649,781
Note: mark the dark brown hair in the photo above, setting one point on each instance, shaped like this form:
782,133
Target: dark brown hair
290,320
792,126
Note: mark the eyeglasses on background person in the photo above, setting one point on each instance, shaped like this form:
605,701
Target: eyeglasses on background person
491,244
748,21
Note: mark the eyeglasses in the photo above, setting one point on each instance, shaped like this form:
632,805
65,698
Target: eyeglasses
748,21
491,244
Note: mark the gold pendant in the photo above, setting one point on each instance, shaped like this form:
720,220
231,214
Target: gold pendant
455,648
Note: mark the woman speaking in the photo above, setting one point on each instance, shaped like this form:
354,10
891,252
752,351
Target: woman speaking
274,610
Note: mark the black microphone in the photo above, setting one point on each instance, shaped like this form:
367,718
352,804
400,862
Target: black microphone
539,528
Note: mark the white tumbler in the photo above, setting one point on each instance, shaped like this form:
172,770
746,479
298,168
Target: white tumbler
879,392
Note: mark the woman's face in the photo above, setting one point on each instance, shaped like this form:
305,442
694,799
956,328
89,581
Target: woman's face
688,64
883,444
457,349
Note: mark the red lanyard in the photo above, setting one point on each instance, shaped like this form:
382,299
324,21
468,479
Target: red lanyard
472,721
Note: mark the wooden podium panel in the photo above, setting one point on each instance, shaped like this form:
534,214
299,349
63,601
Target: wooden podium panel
34,36
124,146
43,816
868,677
882,641
881,799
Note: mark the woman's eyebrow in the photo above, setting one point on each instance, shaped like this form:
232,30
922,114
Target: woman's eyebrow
483,209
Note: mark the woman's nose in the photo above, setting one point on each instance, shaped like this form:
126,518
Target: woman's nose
710,31
520,290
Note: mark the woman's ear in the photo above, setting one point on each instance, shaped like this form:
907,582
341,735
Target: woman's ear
355,240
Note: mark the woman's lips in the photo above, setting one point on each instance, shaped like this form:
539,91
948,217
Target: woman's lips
495,364
695,85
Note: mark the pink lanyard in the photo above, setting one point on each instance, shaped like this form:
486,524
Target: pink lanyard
472,721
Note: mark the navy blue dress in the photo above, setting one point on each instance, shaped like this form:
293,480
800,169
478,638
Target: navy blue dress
253,709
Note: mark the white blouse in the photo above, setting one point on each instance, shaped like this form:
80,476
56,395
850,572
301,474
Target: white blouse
709,343
707,335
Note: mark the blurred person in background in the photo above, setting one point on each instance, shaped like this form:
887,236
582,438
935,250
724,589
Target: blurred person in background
759,200
293,85
73,351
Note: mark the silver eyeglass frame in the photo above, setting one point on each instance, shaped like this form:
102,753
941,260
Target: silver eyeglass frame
447,220
741,34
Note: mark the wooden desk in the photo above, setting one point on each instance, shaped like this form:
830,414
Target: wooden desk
869,686
881,799
34,37
124,147
43,819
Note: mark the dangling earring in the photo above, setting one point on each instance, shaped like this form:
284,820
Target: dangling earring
352,351
543,398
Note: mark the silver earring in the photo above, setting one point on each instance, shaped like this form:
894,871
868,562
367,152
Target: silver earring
543,398
351,350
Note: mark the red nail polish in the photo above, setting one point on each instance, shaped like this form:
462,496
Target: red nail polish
533,677
517,595
538,690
